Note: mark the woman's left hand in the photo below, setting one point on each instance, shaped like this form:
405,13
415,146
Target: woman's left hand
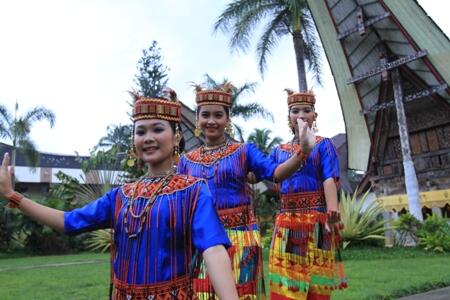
333,220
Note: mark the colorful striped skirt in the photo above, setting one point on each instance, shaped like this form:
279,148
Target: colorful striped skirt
245,254
304,260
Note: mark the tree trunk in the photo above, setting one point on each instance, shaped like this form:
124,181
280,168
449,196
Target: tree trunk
300,59
411,183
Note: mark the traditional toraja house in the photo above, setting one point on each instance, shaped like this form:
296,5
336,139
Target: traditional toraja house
38,180
391,67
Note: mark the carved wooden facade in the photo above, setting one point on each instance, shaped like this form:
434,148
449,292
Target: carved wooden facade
366,42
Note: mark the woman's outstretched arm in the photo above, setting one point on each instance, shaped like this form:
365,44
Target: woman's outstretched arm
45,215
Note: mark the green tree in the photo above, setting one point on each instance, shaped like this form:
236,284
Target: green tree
284,17
152,74
151,81
261,138
245,111
17,129
117,139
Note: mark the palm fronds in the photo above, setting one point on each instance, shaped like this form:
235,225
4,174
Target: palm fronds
242,18
99,240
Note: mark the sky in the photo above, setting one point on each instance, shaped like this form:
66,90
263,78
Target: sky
78,58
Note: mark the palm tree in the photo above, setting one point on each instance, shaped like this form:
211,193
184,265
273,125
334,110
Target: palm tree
261,138
283,17
17,130
117,139
245,111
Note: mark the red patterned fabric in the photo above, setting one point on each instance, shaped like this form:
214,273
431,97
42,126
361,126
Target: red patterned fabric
145,191
304,200
237,216
177,289
211,156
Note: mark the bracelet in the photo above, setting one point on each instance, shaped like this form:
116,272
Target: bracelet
302,155
334,216
15,199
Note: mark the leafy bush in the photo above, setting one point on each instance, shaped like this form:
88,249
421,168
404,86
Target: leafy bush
361,225
435,234
65,191
265,209
9,239
407,227
39,238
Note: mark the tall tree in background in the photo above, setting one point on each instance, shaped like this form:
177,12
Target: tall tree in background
245,111
261,138
151,81
17,130
283,17
152,74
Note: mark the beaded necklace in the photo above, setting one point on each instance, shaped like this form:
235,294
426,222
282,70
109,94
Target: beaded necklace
163,180
218,151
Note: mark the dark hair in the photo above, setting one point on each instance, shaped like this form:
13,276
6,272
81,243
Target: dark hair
225,108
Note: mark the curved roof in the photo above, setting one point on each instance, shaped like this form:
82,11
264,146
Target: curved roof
355,34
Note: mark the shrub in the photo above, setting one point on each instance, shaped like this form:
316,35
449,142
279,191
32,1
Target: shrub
435,234
407,227
361,224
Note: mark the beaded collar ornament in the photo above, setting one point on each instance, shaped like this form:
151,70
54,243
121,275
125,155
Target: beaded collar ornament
217,152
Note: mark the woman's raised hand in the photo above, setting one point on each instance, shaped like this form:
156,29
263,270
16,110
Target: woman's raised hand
306,136
6,188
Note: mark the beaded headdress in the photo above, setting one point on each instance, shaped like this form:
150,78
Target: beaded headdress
307,98
221,96
168,109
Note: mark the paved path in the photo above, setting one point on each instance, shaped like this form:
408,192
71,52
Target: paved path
439,294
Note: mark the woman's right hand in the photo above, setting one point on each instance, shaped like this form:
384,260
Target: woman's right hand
6,188
306,136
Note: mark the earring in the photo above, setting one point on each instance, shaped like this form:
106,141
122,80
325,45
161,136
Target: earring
197,130
315,128
176,154
132,159
229,130
176,148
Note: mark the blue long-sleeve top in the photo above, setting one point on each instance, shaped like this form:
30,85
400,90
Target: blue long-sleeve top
321,164
226,169
181,218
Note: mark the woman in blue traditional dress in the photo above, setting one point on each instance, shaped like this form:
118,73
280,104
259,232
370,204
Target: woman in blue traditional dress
225,165
304,260
158,221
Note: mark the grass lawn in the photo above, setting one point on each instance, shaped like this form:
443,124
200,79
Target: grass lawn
376,273
85,276
390,273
